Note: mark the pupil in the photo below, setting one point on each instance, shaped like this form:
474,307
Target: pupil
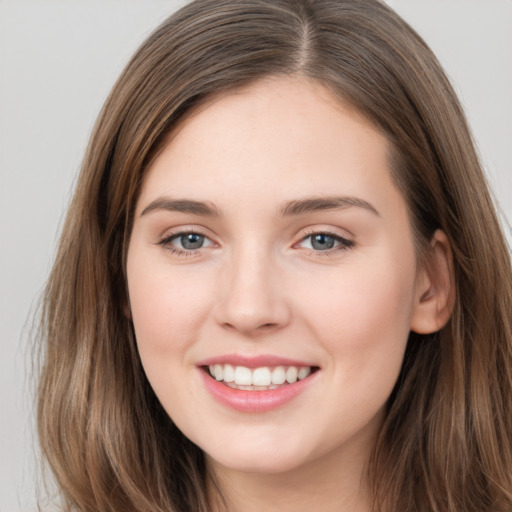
191,241
322,242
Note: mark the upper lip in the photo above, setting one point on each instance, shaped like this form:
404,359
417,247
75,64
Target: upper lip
253,361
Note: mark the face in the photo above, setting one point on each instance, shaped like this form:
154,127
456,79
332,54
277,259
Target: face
272,277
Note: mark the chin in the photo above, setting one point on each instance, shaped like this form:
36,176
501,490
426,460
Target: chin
260,465
256,458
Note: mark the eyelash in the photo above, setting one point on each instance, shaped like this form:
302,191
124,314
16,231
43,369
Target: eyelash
344,243
166,242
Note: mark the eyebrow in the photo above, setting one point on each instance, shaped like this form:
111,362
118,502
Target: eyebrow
203,208
314,204
290,208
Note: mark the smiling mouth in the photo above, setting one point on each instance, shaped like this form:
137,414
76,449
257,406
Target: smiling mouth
258,379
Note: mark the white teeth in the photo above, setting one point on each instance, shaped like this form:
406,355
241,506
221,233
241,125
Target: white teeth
278,375
243,376
291,374
218,372
229,373
271,378
304,372
261,377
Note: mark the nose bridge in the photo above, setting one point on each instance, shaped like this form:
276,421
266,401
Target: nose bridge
252,300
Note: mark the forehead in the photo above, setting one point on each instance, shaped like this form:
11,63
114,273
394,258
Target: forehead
282,98
275,137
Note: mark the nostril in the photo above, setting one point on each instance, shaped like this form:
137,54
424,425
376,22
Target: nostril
263,327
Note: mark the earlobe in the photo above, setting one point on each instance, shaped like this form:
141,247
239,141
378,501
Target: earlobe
435,288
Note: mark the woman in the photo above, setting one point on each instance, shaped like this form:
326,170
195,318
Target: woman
281,283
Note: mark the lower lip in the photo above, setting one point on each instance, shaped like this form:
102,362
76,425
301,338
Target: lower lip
255,401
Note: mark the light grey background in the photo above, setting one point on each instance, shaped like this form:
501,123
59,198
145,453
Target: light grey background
58,60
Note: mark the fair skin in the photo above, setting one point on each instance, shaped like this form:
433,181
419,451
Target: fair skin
230,262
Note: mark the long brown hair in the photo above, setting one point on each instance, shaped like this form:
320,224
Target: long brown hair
445,444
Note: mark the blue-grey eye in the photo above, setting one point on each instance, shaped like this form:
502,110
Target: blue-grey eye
325,242
191,241
322,242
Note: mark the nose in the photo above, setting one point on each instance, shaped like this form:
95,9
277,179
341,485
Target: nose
252,298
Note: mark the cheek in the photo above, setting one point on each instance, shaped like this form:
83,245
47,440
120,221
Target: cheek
168,308
364,309
363,324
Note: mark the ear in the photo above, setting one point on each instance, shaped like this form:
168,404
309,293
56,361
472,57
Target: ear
435,287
